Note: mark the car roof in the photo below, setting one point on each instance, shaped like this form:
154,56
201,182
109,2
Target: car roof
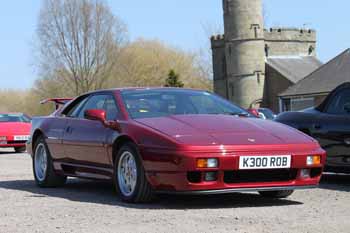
143,88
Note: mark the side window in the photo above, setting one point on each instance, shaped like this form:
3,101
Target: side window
94,102
72,111
340,105
111,108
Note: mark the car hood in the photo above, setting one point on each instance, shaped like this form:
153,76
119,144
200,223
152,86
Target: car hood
11,128
224,130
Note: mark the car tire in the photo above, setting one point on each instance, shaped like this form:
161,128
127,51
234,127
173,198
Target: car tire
44,173
276,194
20,149
130,180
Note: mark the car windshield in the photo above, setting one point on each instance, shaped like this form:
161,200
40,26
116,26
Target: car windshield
14,118
156,103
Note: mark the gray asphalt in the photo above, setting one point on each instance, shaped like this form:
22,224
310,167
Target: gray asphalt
92,206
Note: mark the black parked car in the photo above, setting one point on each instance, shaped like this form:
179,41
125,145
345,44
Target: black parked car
328,123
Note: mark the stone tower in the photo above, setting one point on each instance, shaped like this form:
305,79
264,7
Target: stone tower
253,65
239,55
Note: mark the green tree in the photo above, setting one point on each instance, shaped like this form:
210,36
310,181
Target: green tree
173,80
148,62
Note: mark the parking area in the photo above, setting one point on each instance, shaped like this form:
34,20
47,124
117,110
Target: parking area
92,206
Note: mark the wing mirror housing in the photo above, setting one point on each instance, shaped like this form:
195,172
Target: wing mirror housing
100,115
347,107
95,115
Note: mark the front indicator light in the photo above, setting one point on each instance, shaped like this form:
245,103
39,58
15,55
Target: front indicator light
207,163
313,160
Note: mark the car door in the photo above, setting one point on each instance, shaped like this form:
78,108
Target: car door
84,140
332,127
56,129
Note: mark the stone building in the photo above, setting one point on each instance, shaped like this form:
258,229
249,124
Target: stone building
253,65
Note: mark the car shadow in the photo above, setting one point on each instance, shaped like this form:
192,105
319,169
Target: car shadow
102,193
340,182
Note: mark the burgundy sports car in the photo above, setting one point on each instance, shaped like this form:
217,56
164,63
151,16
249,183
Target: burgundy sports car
164,140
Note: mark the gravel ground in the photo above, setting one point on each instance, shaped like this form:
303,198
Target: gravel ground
90,206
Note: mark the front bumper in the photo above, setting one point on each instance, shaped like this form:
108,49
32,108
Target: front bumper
11,141
236,190
169,172
13,144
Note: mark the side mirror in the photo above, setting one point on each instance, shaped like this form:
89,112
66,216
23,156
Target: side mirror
95,115
347,107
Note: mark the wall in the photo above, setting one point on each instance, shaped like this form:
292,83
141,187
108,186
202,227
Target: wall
290,42
244,42
275,84
219,65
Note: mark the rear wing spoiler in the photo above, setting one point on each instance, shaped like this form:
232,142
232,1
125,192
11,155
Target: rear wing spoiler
57,101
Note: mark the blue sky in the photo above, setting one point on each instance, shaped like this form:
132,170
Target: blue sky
176,22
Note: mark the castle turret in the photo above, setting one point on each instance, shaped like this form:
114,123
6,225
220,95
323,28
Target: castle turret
244,53
246,49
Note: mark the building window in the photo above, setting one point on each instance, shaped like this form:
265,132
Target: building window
267,50
298,104
285,105
232,87
311,49
255,27
258,76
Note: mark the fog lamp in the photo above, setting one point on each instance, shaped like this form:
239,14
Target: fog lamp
313,160
305,173
210,176
207,163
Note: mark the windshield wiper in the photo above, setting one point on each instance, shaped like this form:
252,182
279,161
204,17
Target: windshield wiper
239,114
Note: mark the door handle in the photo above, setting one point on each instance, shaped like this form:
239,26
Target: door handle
347,141
69,130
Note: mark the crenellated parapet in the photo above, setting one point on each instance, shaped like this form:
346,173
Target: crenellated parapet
290,34
217,41
290,42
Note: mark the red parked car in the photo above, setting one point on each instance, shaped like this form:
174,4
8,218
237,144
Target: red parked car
164,140
14,131
263,113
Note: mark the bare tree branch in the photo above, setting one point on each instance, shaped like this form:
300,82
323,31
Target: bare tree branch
80,38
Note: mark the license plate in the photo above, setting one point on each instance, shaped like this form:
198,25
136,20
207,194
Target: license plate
264,162
21,138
